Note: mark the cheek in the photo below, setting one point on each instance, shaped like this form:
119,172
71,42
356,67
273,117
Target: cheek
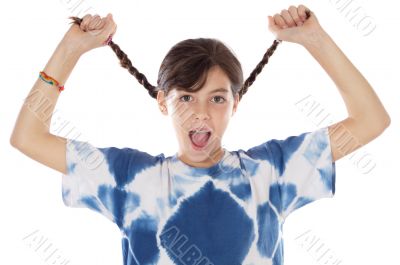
181,127
223,112
221,117
181,116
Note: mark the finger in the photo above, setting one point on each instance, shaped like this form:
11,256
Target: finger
295,15
109,24
85,20
301,10
85,17
114,30
109,27
98,28
288,18
93,24
280,21
272,25
101,23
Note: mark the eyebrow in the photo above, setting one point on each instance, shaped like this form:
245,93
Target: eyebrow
221,89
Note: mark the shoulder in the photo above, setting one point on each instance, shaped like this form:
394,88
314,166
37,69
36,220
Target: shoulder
279,150
123,159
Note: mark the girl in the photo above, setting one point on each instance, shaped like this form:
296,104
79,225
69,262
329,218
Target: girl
204,204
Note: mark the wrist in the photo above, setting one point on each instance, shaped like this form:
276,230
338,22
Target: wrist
315,39
70,50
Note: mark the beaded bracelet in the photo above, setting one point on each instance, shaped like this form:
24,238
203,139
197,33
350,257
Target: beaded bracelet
50,80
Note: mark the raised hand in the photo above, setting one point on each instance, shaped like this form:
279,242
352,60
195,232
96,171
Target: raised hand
90,32
295,24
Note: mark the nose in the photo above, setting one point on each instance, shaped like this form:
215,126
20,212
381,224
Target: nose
201,113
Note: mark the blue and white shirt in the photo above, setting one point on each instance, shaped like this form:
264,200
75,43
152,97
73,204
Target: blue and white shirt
170,213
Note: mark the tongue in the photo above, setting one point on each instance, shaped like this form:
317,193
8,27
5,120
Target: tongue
200,139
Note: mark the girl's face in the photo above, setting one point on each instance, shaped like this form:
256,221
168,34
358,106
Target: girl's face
201,118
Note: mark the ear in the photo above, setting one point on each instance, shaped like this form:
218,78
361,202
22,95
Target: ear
235,104
162,104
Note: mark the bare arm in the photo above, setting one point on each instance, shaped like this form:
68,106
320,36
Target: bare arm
31,134
367,117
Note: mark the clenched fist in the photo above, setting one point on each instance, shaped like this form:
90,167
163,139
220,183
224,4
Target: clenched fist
90,32
295,24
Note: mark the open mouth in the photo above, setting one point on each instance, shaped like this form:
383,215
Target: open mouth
199,138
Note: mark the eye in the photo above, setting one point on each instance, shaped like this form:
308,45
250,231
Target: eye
221,99
184,96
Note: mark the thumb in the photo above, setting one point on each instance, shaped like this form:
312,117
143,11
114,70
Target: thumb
110,24
109,27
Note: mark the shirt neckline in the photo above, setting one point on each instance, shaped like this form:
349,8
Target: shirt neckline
211,170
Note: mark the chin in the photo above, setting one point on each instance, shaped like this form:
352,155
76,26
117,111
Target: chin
204,154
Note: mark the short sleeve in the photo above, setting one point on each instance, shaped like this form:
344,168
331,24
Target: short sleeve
303,169
96,178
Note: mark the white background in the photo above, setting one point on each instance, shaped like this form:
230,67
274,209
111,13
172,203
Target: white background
110,108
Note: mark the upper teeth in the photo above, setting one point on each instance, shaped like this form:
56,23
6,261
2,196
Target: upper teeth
199,131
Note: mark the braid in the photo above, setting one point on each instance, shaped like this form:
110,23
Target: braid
258,69
249,81
126,63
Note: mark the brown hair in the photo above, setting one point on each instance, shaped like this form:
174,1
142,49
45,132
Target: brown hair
186,65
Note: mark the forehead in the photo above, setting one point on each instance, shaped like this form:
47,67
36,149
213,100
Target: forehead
216,82
216,78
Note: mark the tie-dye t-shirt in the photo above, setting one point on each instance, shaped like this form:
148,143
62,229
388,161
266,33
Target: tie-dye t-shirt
231,213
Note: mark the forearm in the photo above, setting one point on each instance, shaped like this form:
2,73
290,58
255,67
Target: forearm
37,110
361,101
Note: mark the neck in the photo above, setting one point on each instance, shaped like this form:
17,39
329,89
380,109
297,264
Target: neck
211,160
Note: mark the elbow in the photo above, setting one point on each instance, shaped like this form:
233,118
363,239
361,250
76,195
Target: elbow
379,121
382,124
374,125
23,142
15,142
18,142
387,121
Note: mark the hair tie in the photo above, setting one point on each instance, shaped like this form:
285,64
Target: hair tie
108,40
